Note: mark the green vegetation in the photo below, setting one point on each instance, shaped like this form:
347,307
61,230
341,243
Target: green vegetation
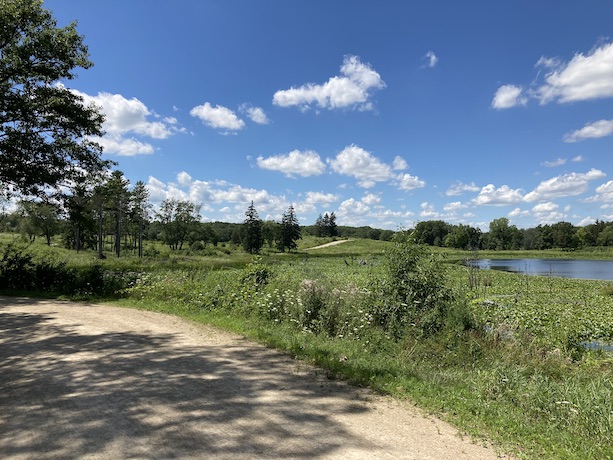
501,356
45,129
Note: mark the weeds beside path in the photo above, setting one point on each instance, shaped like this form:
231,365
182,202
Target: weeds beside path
83,380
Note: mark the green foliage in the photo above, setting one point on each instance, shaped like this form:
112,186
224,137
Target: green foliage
178,219
252,238
45,129
22,271
41,218
414,293
556,312
326,226
289,231
256,273
432,232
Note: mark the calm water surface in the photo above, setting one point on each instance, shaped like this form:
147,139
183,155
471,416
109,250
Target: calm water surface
563,268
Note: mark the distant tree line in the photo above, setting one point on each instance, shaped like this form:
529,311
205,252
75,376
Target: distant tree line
504,236
107,214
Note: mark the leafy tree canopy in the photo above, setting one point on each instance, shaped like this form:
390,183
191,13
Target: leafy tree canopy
45,129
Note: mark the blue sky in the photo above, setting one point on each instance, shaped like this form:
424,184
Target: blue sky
385,112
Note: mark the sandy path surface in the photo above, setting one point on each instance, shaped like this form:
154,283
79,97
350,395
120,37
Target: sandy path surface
90,381
331,243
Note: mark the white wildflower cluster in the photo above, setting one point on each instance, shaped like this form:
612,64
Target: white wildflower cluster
279,306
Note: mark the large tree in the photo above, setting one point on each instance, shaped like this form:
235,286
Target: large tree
139,213
178,219
117,201
42,218
252,238
289,231
45,129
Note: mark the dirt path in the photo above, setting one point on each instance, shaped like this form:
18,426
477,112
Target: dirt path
331,243
90,381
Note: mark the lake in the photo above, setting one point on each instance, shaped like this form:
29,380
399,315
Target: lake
563,268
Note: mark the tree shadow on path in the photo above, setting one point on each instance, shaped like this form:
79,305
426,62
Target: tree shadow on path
70,394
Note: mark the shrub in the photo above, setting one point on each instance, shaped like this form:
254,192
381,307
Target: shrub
21,271
414,291
256,273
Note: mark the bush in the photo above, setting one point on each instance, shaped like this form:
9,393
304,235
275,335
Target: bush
257,273
414,291
21,271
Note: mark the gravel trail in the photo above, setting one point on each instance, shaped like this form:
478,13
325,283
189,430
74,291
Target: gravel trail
94,381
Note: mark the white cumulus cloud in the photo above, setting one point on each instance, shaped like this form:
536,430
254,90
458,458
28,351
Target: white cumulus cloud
352,89
428,211
356,162
399,164
307,163
492,196
547,213
184,178
604,193
584,77
126,147
320,197
352,211
217,117
408,182
371,199
508,96
126,118
454,206
126,115
517,212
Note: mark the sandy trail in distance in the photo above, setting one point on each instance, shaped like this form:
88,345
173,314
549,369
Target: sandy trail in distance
93,381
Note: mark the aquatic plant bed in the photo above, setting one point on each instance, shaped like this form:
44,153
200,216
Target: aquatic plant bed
557,312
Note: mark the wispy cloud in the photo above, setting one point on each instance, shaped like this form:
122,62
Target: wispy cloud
458,188
584,77
600,128
554,163
431,58
571,184
255,114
